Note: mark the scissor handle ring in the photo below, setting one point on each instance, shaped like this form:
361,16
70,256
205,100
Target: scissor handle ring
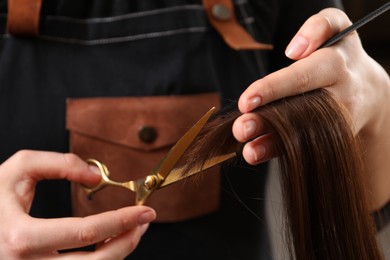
104,173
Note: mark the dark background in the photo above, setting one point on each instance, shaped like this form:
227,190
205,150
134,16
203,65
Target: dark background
376,34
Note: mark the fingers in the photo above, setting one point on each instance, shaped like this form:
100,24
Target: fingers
259,150
116,248
302,76
249,126
19,174
25,237
50,165
47,235
120,247
327,67
323,68
315,31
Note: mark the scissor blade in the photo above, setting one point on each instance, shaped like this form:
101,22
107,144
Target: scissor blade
176,174
176,152
164,168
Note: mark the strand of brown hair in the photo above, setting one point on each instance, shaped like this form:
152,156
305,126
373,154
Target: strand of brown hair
322,174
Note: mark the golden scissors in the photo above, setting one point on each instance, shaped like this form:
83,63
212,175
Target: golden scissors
164,173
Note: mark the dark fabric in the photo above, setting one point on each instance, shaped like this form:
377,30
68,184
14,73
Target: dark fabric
142,48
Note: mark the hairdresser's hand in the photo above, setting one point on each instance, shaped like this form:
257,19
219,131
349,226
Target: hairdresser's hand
23,237
344,69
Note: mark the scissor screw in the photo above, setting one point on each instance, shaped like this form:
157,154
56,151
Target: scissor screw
150,182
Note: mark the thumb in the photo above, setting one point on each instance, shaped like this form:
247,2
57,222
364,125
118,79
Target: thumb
20,173
315,31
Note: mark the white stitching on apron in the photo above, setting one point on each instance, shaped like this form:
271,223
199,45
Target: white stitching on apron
124,38
125,16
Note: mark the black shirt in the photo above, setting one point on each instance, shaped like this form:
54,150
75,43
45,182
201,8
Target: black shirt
144,48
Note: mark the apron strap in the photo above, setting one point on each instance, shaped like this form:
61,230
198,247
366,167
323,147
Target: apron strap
221,16
23,17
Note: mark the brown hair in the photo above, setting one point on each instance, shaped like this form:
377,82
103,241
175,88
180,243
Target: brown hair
322,174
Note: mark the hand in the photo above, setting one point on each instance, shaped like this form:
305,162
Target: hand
22,236
344,69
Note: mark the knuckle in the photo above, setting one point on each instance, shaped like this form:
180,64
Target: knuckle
349,103
339,57
322,23
336,18
87,236
71,159
22,155
133,244
123,223
340,64
17,242
270,93
352,102
302,80
338,61
342,17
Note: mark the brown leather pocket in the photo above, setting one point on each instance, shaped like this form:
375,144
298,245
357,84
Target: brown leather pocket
130,136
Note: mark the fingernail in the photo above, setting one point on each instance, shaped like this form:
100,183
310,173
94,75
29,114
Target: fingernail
297,47
253,103
94,169
146,217
249,128
143,228
259,153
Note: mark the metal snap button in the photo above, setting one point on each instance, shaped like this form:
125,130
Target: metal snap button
147,134
221,12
